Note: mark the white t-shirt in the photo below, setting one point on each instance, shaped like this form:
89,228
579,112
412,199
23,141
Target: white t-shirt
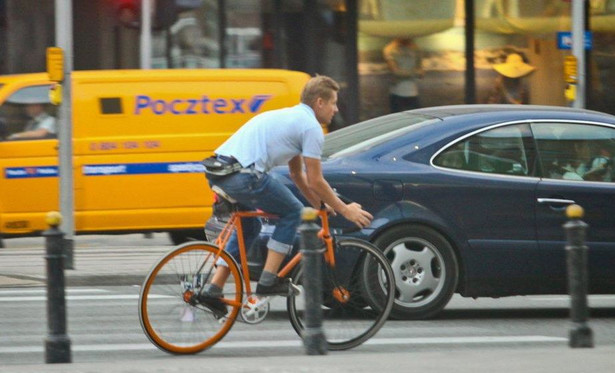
275,137
43,120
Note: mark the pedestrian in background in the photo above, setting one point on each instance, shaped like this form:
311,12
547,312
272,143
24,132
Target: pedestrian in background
509,86
404,59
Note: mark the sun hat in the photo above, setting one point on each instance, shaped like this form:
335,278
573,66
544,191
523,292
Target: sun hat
514,67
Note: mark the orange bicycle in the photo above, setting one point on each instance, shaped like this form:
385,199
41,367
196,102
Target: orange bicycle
357,282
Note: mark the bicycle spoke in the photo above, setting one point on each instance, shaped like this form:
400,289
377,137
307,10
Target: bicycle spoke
169,315
358,294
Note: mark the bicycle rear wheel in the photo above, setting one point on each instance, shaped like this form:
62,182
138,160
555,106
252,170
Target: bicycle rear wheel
169,318
358,295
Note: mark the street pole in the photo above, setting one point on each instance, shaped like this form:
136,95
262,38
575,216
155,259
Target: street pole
578,49
470,72
146,34
64,40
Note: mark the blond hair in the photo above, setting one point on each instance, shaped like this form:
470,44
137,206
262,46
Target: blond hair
319,86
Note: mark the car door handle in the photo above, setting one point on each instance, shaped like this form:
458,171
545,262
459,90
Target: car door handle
550,201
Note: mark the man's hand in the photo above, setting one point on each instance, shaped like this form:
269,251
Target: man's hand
357,215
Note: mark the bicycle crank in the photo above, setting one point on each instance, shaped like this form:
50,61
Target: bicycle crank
254,309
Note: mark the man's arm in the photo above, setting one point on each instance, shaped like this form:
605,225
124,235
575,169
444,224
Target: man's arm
34,134
319,187
298,177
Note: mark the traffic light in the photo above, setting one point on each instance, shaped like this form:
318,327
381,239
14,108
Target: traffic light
128,12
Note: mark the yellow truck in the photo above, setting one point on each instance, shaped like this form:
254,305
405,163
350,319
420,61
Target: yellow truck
138,139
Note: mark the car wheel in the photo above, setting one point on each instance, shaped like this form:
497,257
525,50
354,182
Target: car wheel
425,268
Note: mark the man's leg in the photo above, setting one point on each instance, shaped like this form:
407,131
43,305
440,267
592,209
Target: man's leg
275,198
251,228
213,291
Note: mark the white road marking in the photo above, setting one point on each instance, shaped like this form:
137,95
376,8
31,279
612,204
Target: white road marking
43,291
298,343
80,297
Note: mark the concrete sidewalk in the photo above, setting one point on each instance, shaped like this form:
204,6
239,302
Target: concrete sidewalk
558,359
98,260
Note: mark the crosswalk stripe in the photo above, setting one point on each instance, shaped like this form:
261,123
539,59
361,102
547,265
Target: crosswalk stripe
80,297
297,343
42,291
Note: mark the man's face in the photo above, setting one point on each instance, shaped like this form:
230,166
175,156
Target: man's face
325,110
33,110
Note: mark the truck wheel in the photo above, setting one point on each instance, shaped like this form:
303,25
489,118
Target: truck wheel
180,237
425,267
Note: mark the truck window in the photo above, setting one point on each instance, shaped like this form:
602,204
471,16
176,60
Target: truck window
28,115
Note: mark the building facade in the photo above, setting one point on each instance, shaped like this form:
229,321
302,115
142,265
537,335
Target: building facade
341,38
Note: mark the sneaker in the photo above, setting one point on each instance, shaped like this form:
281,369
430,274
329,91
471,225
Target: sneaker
283,287
215,304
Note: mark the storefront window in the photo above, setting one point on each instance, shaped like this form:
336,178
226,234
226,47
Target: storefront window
410,52
192,41
530,29
243,34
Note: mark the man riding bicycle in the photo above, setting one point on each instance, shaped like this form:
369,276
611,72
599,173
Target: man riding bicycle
240,169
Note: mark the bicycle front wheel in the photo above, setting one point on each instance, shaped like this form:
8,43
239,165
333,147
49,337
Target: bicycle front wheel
358,294
169,316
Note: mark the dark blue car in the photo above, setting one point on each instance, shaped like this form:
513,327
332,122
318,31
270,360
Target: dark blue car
471,199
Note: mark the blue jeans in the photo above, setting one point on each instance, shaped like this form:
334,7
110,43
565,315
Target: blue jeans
255,190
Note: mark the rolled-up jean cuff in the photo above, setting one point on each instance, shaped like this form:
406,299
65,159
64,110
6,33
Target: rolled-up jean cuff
221,262
278,247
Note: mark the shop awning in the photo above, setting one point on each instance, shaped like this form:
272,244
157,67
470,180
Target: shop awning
405,28
394,18
542,25
399,18
535,17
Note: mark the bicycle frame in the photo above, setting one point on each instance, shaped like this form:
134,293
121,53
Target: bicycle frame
234,223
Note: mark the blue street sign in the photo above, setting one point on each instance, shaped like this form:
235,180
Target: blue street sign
564,40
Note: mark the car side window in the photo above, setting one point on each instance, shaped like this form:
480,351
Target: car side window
571,151
502,150
28,115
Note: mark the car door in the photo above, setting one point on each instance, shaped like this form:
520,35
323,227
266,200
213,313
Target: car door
29,182
492,202
576,159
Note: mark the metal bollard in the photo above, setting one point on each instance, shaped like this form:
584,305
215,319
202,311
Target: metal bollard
313,335
580,334
57,343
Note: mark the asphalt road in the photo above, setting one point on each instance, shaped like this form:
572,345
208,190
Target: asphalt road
513,334
103,324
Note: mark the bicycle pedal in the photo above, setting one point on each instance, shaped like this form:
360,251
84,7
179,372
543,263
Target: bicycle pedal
294,290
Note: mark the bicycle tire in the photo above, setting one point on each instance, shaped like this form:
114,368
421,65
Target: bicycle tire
168,319
364,273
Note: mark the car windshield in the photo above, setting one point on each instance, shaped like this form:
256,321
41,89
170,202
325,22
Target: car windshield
363,136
